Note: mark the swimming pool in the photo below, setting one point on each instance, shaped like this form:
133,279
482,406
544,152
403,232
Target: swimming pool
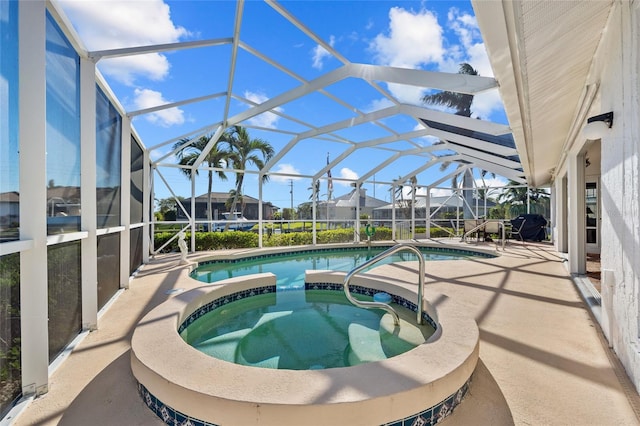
289,267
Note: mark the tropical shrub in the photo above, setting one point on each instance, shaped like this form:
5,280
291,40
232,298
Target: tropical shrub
238,239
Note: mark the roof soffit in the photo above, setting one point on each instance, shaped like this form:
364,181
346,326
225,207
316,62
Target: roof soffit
541,53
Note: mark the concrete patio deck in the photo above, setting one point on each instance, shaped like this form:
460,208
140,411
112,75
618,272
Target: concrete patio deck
543,361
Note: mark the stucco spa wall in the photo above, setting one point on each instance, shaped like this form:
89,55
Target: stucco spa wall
620,185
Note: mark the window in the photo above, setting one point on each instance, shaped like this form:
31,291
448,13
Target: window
9,161
10,376
64,295
137,175
135,249
108,267
108,161
63,132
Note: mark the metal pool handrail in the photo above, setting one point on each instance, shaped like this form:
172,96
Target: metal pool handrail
385,306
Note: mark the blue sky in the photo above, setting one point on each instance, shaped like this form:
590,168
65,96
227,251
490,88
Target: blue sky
429,35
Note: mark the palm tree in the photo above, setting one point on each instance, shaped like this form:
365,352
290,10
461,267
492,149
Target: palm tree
245,151
217,157
229,203
461,102
519,195
514,193
399,194
315,191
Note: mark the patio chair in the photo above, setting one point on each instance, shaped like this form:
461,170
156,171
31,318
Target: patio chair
492,227
517,225
471,225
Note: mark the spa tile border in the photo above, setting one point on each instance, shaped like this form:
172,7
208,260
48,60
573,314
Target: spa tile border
355,289
428,417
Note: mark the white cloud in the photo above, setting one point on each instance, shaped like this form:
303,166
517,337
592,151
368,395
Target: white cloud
378,104
479,59
320,54
440,192
266,119
125,70
146,98
492,182
427,140
346,173
406,94
465,26
486,103
157,153
288,169
414,39
105,25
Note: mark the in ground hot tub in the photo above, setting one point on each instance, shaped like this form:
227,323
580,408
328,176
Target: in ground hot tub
180,383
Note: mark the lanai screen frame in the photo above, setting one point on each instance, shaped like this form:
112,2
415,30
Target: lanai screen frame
457,146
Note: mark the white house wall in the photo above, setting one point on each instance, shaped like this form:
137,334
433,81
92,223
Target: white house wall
620,186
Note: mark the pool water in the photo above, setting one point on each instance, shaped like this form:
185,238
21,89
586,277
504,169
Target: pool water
289,268
301,330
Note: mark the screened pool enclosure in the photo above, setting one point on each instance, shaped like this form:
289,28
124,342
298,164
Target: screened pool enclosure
84,187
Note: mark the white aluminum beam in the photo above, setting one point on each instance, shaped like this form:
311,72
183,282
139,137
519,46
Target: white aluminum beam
512,174
234,57
420,169
391,159
289,17
482,126
143,50
175,104
447,177
460,83
472,142
293,94
207,149
190,135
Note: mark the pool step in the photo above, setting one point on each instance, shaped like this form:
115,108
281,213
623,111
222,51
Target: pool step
365,345
225,345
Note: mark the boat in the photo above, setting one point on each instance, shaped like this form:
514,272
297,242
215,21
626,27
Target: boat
237,222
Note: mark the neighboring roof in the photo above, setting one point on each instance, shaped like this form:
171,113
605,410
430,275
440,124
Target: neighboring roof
10,197
352,198
440,201
542,55
222,197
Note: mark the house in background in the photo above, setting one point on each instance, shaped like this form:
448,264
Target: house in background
444,207
346,206
9,208
249,208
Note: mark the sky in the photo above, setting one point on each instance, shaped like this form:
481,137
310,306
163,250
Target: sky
427,35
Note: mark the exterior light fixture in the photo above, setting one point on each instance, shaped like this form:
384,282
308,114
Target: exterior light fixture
598,126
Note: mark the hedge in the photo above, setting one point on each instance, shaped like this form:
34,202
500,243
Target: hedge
238,239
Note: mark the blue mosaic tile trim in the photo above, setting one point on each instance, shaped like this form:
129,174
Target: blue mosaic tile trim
435,414
221,301
167,414
366,291
346,249
428,417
